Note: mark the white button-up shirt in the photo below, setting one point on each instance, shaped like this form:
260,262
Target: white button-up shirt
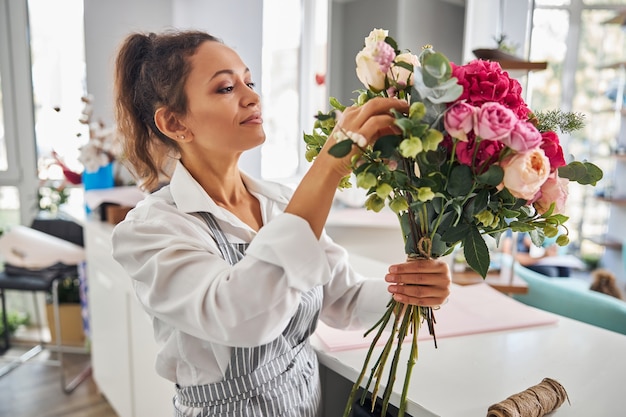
201,306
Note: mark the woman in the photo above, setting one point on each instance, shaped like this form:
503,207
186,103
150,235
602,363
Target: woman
233,271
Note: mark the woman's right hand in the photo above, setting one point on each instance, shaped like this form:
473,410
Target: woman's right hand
370,121
313,198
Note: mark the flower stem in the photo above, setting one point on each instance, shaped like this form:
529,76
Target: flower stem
407,317
411,361
382,324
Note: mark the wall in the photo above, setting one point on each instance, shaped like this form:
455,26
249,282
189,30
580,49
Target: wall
107,23
435,22
485,20
412,24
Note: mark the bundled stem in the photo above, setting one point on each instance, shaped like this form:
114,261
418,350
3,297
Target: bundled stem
407,319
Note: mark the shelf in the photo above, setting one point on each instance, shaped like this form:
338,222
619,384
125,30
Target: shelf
618,19
612,200
523,65
615,65
606,241
508,61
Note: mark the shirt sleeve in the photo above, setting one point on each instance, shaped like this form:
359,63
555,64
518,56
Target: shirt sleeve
351,300
180,277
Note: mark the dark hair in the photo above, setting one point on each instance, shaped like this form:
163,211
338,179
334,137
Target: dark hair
605,282
150,73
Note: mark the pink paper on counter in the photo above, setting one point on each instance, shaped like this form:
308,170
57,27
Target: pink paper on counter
471,309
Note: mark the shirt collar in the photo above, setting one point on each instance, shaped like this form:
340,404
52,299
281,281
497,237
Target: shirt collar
190,197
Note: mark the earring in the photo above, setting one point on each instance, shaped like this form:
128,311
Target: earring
182,136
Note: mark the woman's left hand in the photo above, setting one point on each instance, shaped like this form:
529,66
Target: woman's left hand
423,282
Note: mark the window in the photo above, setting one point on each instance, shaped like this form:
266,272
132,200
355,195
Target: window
294,70
575,40
58,73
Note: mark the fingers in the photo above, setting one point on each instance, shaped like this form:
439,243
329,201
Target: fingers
421,282
372,119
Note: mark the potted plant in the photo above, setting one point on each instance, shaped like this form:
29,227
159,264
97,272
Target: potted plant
14,321
70,312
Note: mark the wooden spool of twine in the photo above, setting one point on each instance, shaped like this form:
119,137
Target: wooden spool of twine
536,401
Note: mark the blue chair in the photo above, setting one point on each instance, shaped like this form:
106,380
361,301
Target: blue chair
572,298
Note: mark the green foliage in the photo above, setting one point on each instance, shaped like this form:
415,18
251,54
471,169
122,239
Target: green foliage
558,120
14,321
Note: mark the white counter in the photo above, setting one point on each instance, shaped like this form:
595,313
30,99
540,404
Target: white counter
467,374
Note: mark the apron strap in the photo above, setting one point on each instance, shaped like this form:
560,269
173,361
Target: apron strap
230,254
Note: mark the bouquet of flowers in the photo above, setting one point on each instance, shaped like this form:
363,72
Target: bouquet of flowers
471,160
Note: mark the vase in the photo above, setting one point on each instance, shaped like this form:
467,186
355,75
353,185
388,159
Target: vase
100,179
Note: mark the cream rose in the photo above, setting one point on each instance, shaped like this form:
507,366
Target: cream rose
400,74
375,36
374,60
525,173
368,70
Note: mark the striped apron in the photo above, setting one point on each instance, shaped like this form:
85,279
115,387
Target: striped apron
280,378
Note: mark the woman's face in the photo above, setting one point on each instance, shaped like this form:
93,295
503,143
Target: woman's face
224,111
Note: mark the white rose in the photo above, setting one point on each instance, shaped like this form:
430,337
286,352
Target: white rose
368,70
375,36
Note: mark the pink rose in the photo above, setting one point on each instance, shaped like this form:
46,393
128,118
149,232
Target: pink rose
523,137
459,120
554,190
525,173
494,121
484,81
552,147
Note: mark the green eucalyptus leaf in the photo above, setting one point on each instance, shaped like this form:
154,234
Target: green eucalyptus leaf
435,68
584,173
476,251
447,92
341,149
537,236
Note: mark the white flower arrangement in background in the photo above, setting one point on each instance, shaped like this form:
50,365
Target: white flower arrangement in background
103,146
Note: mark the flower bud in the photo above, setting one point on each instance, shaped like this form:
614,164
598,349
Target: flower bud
398,204
366,180
383,190
374,203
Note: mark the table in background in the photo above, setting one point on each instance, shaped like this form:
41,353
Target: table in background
495,279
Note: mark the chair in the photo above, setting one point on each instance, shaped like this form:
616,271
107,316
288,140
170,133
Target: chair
41,280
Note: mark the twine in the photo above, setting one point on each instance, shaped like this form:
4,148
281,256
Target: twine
536,401
425,247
